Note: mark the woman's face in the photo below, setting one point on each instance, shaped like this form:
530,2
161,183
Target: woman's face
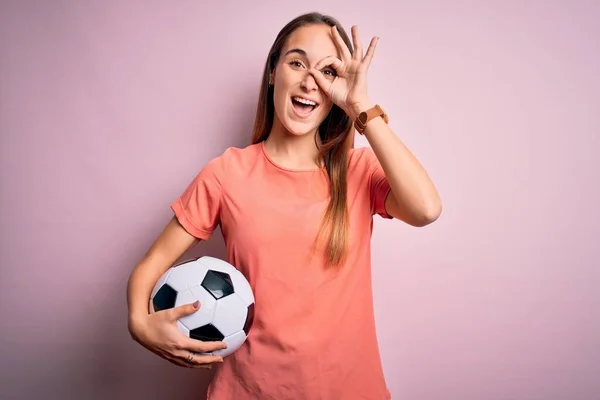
300,105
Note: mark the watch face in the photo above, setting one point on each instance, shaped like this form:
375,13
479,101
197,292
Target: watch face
362,117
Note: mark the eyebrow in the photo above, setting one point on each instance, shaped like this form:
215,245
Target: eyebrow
299,51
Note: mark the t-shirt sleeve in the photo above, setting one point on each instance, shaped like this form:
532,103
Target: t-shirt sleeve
379,185
198,208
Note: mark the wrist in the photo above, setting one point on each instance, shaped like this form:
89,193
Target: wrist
134,320
357,108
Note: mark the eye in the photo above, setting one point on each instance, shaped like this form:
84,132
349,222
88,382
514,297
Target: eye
329,72
296,63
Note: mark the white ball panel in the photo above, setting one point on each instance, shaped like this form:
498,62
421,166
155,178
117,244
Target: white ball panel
230,315
242,288
233,343
182,328
186,275
177,281
206,312
184,297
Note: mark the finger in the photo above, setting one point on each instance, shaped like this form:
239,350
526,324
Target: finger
177,361
322,81
183,310
201,346
358,50
195,359
181,363
346,55
370,52
330,61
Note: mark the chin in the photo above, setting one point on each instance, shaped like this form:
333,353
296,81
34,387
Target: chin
295,129
301,124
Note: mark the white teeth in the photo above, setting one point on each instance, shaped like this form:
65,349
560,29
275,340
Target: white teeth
304,101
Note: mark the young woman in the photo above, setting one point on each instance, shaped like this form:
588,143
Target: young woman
295,209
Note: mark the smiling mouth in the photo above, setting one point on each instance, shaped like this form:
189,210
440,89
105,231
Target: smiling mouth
302,106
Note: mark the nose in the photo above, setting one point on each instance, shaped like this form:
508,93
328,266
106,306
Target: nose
308,82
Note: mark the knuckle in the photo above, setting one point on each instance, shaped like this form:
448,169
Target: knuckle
176,345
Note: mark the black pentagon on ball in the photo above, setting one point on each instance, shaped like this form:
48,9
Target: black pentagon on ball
249,319
164,298
207,333
218,284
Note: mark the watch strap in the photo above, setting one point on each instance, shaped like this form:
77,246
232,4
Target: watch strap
364,117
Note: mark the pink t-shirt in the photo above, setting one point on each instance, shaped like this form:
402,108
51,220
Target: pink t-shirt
314,335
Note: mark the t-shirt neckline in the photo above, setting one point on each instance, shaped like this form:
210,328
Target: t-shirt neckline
281,167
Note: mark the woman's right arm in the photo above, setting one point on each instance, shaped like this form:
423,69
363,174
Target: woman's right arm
172,242
158,331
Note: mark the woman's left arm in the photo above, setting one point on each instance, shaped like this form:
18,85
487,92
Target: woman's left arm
413,198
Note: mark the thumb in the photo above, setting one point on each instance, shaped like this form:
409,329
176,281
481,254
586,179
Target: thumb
323,82
330,61
184,310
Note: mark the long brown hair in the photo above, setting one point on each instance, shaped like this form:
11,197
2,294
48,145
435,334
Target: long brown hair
334,133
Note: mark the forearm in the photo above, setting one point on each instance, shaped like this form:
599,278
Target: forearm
140,284
171,244
415,198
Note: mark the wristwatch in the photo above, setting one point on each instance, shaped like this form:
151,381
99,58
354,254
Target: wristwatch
365,116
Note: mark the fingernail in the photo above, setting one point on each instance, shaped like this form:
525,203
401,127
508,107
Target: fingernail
196,303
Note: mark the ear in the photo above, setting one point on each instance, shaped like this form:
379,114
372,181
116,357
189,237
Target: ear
272,78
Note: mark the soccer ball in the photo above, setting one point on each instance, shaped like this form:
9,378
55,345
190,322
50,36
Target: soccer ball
226,301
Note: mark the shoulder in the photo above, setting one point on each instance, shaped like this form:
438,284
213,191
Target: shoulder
240,155
232,159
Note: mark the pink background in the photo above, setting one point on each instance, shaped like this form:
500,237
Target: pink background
109,108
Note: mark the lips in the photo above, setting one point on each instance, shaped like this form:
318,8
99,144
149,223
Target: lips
303,106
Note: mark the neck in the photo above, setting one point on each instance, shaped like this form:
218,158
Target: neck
293,151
